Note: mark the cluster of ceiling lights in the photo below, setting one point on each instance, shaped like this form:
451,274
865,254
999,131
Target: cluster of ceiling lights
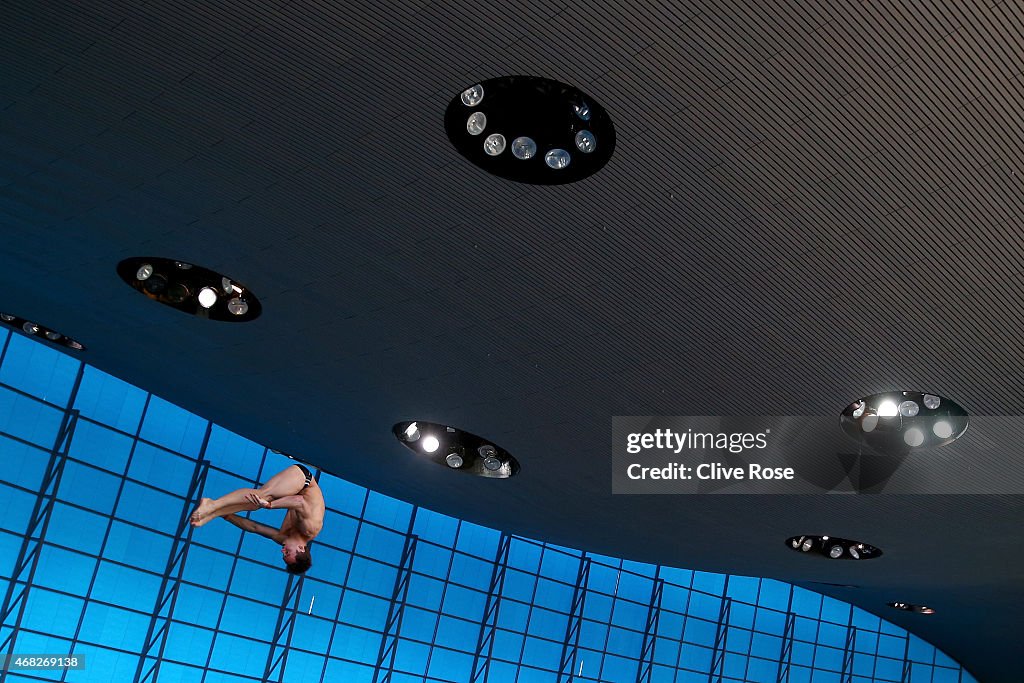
552,132
37,330
899,422
833,548
190,288
456,449
907,607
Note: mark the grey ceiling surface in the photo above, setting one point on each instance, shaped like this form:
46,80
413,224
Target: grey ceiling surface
808,203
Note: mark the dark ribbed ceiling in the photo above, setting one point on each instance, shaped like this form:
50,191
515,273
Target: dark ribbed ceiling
807,204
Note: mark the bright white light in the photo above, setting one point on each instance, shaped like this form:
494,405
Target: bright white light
942,429
582,110
806,545
888,409
476,123
931,402
472,95
494,144
859,408
557,158
585,141
144,271
431,444
913,437
524,148
207,297
869,422
854,554
835,551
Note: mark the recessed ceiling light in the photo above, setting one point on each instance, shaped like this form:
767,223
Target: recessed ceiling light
190,288
535,114
833,548
908,607
207,297
456,449
39,332
910,420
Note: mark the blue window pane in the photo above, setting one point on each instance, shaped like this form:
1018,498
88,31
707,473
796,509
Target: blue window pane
233,453
23,465
101,447
239,655
167,425
39,370
394,514
108,400
29,419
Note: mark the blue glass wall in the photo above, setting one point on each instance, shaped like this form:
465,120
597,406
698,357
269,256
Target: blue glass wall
96,558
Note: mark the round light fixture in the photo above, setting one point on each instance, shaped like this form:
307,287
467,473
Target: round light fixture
535,114
30,327
207,297
524,148
190,288
476,123
896,423
833,548
456,449
494,144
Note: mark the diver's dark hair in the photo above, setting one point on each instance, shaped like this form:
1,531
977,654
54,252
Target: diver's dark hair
302,563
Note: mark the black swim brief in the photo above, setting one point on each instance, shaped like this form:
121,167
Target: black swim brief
305,471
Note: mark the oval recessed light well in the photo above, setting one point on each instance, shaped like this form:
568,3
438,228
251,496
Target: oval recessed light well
41,332
190,288
535,114
456,449
832,547
908,607
898,422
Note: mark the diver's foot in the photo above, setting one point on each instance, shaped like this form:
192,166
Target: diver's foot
199,517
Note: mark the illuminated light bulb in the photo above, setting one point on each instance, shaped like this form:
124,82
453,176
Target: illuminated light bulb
476,123
494,144
888,409
473,95
557,158
144,271
238,306
524,148
586,142
207,297
913,437
909,408
931,402
942,429
412,432
430,444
